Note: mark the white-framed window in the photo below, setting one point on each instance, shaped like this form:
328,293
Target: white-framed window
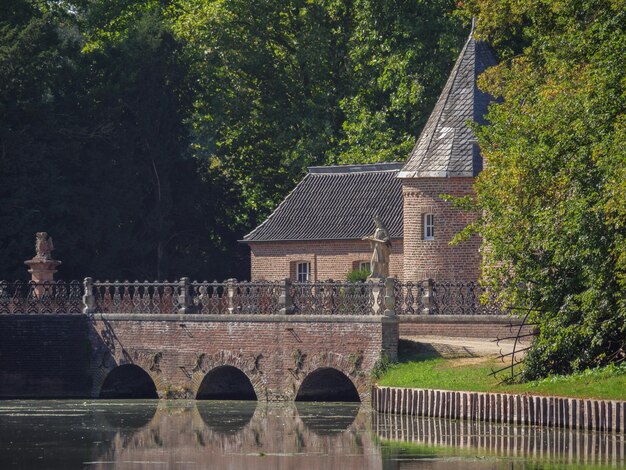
429,226
303,272
365,266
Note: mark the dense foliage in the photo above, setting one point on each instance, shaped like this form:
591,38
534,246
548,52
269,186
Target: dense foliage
148,136
553,193
94,152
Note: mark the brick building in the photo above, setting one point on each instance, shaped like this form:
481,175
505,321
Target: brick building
316,232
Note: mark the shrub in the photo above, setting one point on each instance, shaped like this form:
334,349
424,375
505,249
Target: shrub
358,275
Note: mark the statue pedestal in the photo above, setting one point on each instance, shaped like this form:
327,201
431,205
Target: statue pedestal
41,270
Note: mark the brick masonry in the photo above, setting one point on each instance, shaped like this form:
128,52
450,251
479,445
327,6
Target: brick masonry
413,258
275,352
44,356
464,326
436,259
330,259
559,412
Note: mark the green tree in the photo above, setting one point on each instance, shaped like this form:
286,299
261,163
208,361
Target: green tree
148,136
552,192
36,70
399,56
291,83
94,150
172,214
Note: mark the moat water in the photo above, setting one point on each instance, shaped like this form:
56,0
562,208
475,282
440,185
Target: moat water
135,434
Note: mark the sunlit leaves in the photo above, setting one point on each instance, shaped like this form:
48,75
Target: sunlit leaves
287,84
552,191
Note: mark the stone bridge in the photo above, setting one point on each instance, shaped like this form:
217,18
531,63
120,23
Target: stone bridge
263,357
268,341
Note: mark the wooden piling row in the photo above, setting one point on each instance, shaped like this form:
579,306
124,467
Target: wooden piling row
558,412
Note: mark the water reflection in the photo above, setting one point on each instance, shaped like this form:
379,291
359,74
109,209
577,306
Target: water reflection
528,442
229,418
247,435
126,415
327,420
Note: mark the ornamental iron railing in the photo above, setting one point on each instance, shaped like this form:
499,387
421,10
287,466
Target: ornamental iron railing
431,297
410,297
209,298
133,297
20,297
337,298
233,297
463,298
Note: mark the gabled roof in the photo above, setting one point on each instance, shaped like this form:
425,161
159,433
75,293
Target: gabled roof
447,146
337,203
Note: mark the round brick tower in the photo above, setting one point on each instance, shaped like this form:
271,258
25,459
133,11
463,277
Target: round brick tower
445,160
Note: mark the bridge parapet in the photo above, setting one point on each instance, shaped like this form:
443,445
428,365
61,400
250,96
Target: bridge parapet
233,297
430,297
44,297
426,297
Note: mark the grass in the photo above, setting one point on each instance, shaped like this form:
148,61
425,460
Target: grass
421,370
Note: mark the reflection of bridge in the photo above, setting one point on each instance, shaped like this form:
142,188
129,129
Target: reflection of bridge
185,434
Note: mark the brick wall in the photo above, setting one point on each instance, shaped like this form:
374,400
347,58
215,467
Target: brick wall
44,356
330,259
462,326
177,352
436,259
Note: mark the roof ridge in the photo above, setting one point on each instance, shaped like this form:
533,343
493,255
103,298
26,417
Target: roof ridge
356,168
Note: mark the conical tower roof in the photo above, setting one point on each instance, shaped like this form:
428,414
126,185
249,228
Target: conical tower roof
447,146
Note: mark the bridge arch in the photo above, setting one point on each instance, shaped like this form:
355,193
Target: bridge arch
146,362
327,384
127,381
219,367
344,365
226,383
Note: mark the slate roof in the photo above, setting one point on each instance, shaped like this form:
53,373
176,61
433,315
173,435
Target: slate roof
447,147
337,203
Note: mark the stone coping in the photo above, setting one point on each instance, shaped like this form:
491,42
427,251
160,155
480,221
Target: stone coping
240,318
500,319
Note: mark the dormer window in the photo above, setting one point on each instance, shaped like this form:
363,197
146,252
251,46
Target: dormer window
429,226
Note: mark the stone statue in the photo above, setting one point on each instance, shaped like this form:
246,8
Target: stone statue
43,246
381,246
